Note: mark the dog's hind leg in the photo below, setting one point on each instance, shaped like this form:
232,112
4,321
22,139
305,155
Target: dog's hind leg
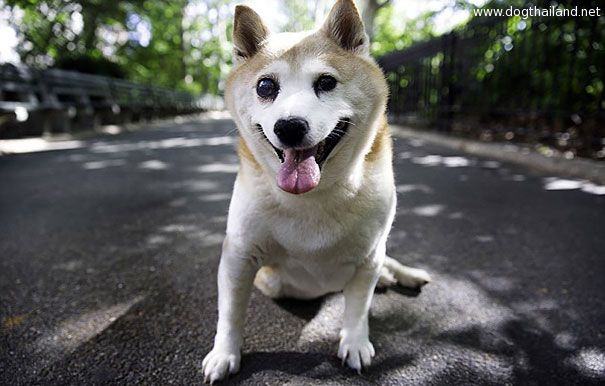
394,272
386,278
269,282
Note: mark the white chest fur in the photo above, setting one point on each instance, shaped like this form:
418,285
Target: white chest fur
316,239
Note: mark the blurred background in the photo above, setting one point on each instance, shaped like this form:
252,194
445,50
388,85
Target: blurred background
532,80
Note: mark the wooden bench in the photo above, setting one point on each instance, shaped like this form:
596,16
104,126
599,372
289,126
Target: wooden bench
38,102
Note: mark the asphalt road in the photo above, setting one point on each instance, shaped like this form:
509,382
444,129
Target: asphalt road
109,252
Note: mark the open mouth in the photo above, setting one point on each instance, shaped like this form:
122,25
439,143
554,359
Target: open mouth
324,148
300,169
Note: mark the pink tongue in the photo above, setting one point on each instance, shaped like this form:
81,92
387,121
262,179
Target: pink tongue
299,173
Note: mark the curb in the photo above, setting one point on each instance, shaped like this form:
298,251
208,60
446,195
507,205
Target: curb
578,168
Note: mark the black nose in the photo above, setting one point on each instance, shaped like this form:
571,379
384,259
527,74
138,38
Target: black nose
291,131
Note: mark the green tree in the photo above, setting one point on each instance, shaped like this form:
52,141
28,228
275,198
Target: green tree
55,29
392,32
161,60
181,43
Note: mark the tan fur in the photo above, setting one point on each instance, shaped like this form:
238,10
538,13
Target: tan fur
244,153
382,144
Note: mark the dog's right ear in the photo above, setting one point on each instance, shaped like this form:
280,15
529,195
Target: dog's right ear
345,27
249,32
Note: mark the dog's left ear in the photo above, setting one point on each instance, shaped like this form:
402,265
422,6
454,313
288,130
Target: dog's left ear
249,33
345,27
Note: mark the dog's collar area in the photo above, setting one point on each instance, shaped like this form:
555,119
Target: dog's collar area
324,148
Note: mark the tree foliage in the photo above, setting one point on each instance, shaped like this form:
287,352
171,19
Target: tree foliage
538,79
178,44
392,33
369,10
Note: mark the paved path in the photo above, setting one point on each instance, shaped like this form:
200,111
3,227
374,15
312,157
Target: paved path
108,256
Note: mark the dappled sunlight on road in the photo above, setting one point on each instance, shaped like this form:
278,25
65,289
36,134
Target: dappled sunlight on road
154,165
554,183
454,321
126,215
455,216
413,188
218,167
562,184
589,187
491,164
589,361
204,232
436,160
169,143
415,155
428,210
103,164
215,197
495,283
173,233
33,145
71,333
197,185
125,238
484,238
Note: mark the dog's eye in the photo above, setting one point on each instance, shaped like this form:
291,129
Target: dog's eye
325,83
267,88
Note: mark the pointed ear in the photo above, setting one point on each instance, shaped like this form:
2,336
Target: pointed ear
345,27
249,32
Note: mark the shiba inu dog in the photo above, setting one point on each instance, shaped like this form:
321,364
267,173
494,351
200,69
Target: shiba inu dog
314,197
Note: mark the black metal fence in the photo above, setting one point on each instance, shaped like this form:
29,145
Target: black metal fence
534,80
35,102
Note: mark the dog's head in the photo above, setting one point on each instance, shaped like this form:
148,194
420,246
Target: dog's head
305,103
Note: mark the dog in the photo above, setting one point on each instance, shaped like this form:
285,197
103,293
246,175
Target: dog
314,197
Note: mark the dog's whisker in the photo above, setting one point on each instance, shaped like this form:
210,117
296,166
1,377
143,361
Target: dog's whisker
232,131
347,121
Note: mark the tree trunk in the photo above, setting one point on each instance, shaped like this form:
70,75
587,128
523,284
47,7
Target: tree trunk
368,9
89,32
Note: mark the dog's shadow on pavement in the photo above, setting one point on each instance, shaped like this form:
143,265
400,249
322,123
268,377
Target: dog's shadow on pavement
405,291
283,366
304,309
318,362
308,309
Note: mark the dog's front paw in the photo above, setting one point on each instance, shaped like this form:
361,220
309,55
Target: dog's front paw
356,350
220,363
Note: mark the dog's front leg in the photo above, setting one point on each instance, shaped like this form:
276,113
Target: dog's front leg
235,276
355,346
